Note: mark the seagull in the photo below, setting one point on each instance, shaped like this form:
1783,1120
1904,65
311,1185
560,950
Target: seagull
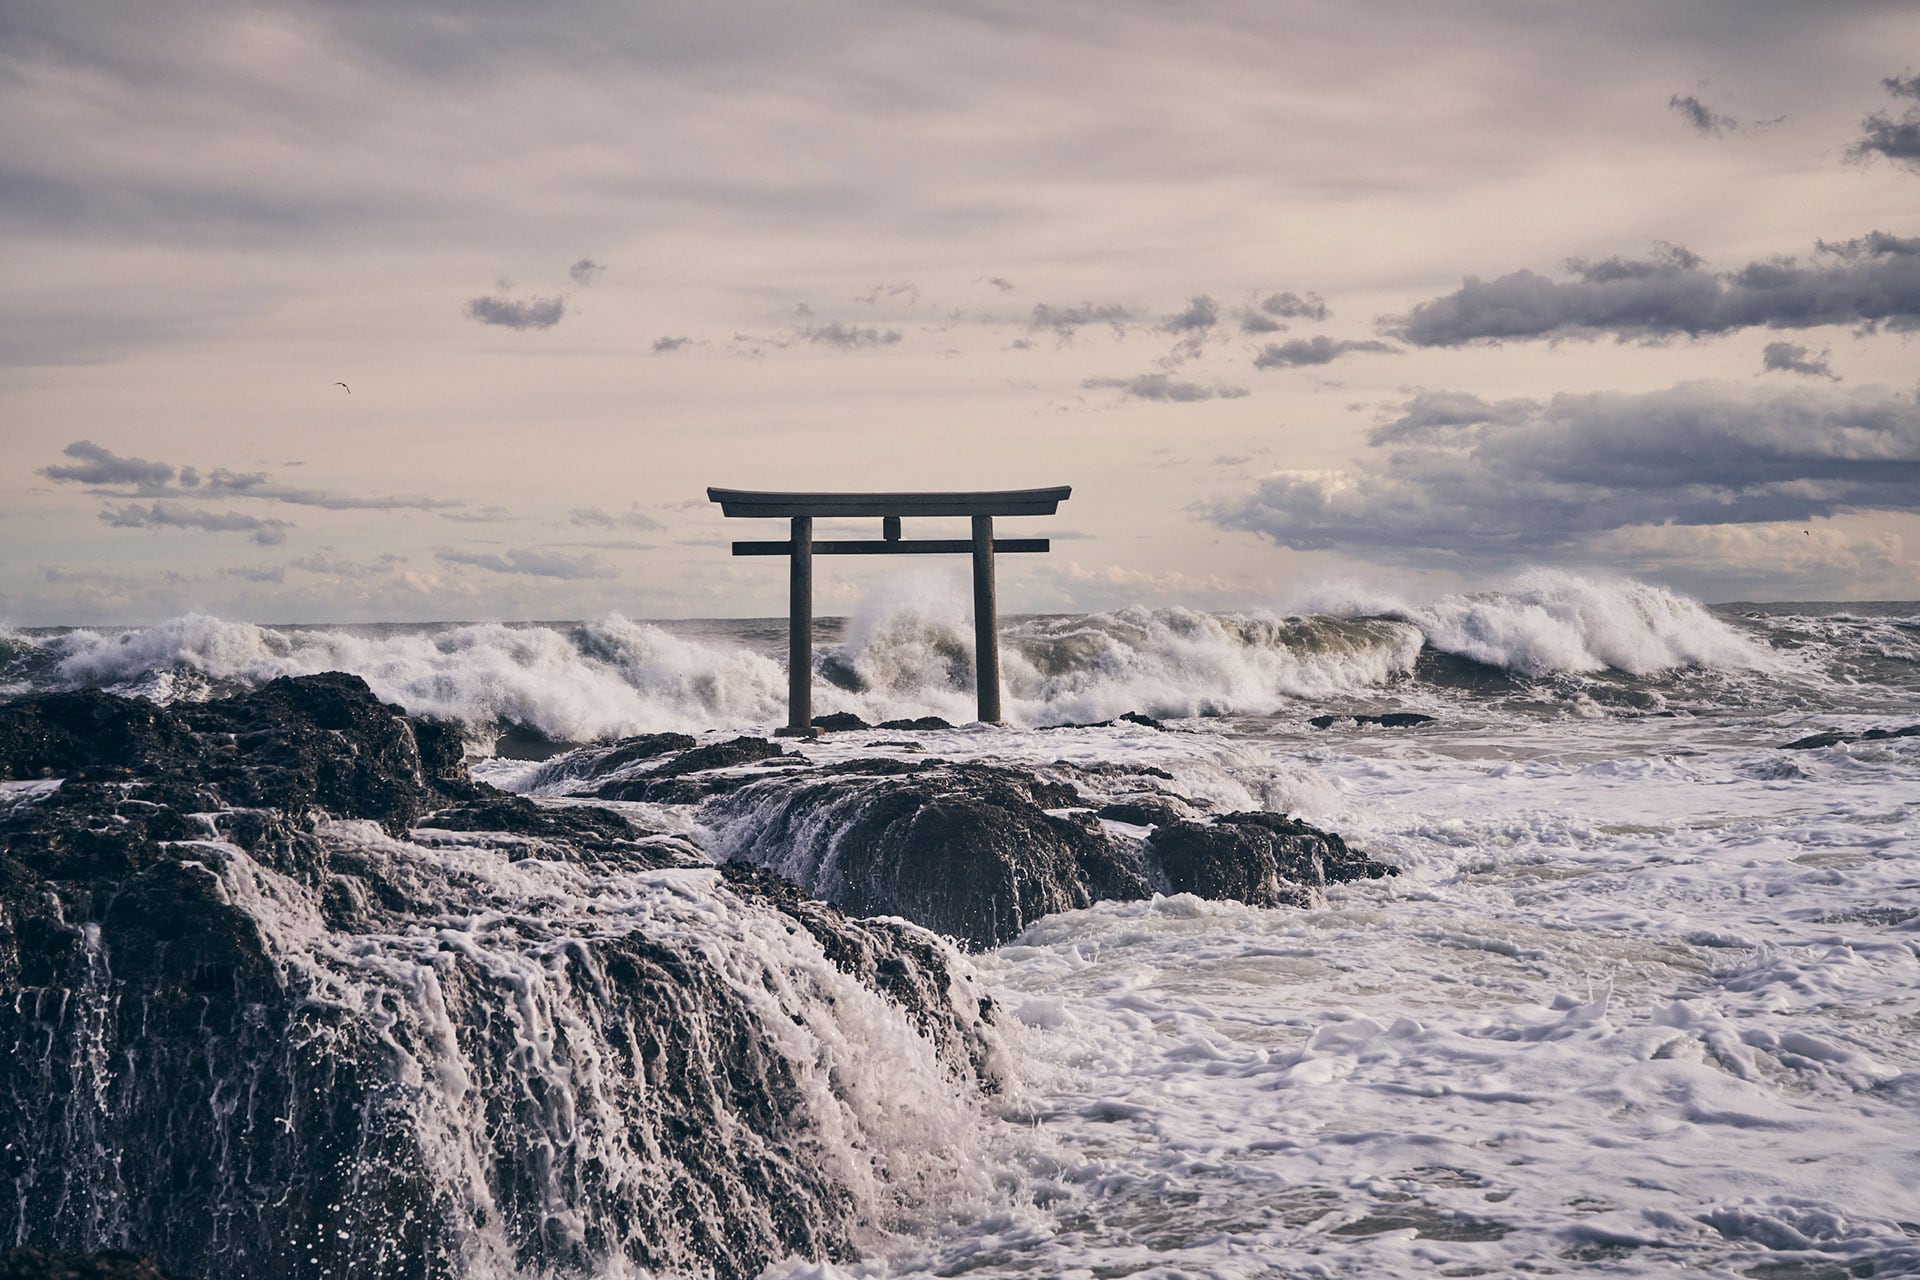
344,387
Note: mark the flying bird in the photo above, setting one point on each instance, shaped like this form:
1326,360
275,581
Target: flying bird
344,387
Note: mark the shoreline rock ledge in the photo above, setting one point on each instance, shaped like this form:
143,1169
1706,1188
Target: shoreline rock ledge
289,994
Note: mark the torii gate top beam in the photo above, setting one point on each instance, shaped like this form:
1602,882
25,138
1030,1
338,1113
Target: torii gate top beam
992,502
801,508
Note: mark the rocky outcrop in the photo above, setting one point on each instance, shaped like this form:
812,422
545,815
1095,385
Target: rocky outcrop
108,1264
1265,859
289,994
1391,720
1837,737
978,852
968,850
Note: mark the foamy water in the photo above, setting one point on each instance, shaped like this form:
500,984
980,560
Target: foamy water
1644,999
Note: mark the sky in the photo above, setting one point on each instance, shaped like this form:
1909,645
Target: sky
357,312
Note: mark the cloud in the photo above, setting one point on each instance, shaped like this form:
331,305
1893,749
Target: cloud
1871,280
1902,86
595,518
1067,321
1789,357
1158,386
585,272
1201,315
491,514
1001,283
1267,315
534,313
177,515
1313,351
97,465
1897,140
848,337
532,562
661,346
1702,117
1523,478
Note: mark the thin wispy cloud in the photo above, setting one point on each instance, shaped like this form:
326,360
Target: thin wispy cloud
533,562
168,514
1163,387
597,518
1303,352
1064,322
1701,117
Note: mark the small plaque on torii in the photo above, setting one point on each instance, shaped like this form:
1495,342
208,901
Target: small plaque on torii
800,548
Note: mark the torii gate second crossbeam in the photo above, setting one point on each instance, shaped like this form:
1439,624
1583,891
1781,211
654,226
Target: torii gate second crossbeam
801,508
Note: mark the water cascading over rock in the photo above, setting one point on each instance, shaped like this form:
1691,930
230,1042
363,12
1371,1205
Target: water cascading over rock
288,994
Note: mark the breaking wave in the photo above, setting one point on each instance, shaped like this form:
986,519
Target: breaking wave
908,651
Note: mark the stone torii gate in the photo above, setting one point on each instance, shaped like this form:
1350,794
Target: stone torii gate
800,548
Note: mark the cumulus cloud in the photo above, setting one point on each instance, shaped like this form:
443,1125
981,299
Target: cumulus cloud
848,337
1902,86
96,465
533,562
585,272
1067,321
1159,386
1791,357
511,313
1524,478
1703,118
1313,351
166,514
1201,314
596,518
1871,280
1882,135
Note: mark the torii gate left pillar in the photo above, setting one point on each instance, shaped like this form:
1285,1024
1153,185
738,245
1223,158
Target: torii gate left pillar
800,549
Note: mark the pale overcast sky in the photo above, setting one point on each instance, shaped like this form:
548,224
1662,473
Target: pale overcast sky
1403,295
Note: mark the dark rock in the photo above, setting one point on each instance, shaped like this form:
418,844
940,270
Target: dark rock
257,1041
670,783
108,1264
1391,720
523,742
923,724
965,849
1835,737
839,722
1266,859
1131,717
1144,813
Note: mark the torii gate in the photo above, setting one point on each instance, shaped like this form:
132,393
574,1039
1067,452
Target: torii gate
800,549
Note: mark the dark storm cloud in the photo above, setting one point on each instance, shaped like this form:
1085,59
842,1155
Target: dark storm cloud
848,337
1312,351
596,518
1521,478
1871,280
1791,357
1702,117
1159,386
166,514
585,272
509,313
532,562
95,465
1200,315
1067,321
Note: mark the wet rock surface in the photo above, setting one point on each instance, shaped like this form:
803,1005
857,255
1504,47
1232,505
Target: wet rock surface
1265,859
108,1264
1837,737
1391,720
978,852
258,1027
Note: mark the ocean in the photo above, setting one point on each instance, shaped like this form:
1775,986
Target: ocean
1643,998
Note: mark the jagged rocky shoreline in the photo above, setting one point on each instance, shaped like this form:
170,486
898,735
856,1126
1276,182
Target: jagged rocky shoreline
291,993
